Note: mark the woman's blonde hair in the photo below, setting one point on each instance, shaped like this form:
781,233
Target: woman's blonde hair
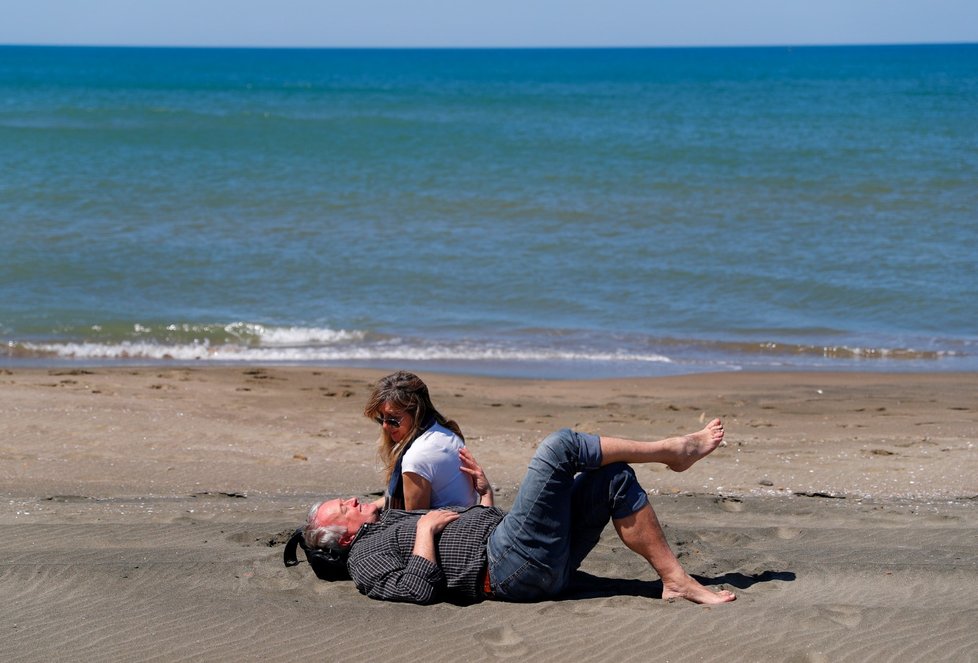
408,393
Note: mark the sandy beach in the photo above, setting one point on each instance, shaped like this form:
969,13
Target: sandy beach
147,511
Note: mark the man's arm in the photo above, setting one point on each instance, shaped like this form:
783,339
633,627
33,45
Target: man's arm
429,525
382,573
389,578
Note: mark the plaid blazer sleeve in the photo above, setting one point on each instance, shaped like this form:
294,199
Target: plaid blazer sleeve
387,578
383,566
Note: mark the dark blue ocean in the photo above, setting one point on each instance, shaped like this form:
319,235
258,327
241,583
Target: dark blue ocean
535,213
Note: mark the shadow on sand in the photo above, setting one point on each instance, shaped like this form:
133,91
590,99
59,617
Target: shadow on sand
584,585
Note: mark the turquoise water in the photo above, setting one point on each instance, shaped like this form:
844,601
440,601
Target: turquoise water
544,213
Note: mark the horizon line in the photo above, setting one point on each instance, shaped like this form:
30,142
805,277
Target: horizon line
490,48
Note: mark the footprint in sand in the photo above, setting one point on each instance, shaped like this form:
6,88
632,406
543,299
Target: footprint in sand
731,504
847,616
787,533
843,615
725,538
502,641
258,538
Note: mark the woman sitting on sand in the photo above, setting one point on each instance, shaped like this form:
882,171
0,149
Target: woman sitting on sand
420,449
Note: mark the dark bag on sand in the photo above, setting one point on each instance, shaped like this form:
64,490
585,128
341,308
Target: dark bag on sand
326,564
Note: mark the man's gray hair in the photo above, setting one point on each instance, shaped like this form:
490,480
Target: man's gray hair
326,537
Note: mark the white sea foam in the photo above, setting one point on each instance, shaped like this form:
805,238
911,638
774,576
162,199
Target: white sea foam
283,348
300,336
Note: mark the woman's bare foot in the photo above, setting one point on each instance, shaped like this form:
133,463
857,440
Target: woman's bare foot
689,589
692,448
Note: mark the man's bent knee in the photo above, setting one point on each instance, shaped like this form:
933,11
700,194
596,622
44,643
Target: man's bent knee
570,449
625,494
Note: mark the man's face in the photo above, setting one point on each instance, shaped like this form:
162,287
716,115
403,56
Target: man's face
350,513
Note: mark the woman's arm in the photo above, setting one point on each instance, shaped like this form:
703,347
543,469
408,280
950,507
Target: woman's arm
417,491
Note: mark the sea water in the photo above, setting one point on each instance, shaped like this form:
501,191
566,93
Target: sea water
539,213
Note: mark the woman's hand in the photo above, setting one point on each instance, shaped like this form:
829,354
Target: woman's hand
478,476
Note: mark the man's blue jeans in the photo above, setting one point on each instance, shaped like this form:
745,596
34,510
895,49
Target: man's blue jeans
558,516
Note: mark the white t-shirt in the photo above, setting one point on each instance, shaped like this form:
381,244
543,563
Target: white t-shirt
434,456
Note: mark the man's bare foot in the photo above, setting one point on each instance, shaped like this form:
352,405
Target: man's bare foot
689,589
697,445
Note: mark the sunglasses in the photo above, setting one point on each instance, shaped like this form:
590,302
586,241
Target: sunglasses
393,422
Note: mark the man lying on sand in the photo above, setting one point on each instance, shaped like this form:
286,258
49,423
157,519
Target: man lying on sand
574,484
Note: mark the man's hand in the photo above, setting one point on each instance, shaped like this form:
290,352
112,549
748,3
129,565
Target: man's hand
436,520
428,526
475,472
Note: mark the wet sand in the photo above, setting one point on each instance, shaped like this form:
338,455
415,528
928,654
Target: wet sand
147,510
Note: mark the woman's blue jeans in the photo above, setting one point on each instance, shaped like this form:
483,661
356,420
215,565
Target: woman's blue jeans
564,503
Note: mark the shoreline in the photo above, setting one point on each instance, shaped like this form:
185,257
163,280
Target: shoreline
148,510
501,367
